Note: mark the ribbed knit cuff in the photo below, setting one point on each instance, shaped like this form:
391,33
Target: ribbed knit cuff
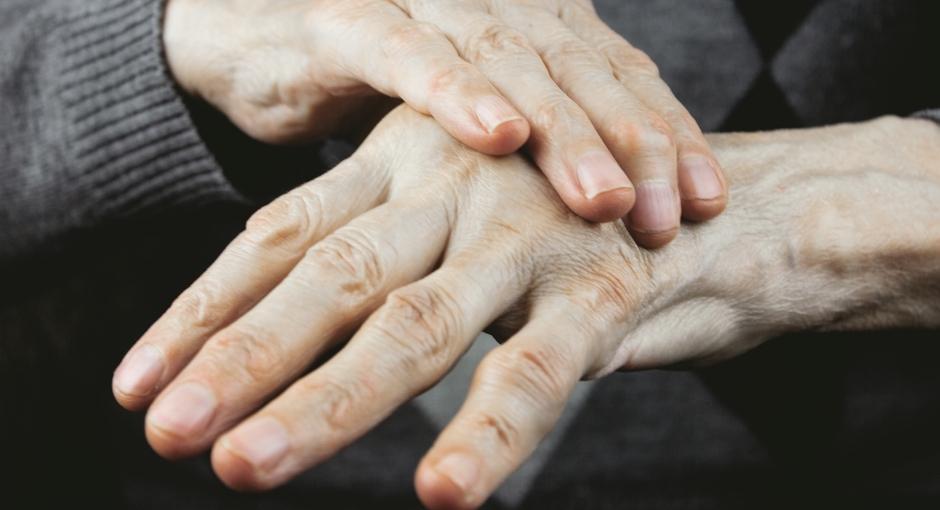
134,145
933,115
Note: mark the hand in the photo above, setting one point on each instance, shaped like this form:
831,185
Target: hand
492,72
413,263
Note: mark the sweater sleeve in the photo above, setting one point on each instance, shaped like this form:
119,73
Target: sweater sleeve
929,114
93,128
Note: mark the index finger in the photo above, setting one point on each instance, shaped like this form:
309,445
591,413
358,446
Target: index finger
276,238
403,57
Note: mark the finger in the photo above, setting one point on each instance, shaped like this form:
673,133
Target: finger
405,347
701,181
564,143
517,395
338,283
417,63
276,237
638,137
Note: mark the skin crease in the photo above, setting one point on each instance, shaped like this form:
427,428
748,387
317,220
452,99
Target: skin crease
590,108
416,262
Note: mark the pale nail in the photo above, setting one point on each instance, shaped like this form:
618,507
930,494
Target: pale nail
462,469
703,177
262,442
185,411
598,172
494,111
657,207
139,374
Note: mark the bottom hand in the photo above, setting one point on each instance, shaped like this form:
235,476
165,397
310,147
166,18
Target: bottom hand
415,245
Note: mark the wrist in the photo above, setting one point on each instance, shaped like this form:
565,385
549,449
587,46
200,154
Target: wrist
833,228
875,242
830,228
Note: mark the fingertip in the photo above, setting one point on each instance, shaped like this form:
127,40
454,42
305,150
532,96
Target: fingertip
654,240
603,191
492,126
508,137
605,207
233,470
176,424
167,445
437,492
654,222
702,188
129,402
703,210
137,378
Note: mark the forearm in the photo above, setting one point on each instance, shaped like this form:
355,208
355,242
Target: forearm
861,244
854,215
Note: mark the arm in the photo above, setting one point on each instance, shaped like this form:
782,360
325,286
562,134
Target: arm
92,126
833,228
830,228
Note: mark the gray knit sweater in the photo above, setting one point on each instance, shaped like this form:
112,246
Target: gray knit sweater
115,191
92,126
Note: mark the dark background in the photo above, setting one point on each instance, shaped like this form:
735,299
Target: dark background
805,420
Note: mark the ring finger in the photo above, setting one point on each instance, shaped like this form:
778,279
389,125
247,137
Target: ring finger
640,139
702,184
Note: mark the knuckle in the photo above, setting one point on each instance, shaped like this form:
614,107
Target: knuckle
607,291
537,374
407,38
553,113
286,223
337,401
495,41
353,257
247,353
501,427
571,53
200,306
446,77
633,62
653,137
688,127
421,323
613,288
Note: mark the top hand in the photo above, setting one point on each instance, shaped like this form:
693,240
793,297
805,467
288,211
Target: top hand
488,70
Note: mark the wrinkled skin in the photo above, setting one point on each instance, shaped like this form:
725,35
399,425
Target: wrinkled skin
412,262
494,73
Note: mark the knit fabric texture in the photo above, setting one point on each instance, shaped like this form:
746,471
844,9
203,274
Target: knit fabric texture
93,127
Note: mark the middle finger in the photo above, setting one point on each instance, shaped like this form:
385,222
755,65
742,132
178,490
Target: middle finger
564,143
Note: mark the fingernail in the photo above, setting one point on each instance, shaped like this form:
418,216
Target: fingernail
657,207
462,469
186,410
703,177
494,111
262,442
139,374
598,172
